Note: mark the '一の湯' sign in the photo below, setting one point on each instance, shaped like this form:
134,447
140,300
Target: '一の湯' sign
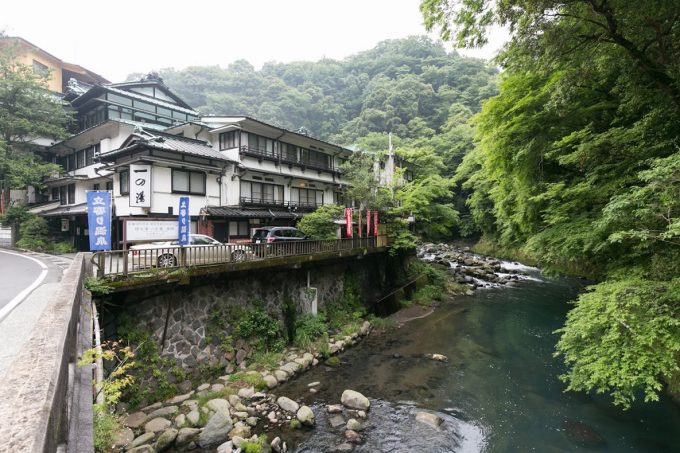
140,186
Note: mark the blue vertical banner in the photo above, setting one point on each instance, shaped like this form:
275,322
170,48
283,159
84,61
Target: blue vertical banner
184,221
99,220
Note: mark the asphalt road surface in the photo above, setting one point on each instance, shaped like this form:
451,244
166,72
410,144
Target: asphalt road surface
17,274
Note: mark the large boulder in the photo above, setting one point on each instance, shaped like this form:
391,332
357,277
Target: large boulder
122,438
219,405
164,412
429,419
355,400
135,420
141,440
166,439
186,435
288,404
305,415
157,424
216,431
240,430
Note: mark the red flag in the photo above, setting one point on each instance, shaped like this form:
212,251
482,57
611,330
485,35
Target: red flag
368,223
348,220
375,223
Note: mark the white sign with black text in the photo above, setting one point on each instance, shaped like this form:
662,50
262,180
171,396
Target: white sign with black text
140,186
151,230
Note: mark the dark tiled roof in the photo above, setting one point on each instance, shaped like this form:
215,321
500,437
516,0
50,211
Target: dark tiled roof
151,100
172,143
66,210
238,212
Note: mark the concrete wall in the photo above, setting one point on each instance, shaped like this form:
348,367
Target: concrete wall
40,406
189,310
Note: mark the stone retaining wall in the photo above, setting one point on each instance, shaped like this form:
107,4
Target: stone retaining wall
181,317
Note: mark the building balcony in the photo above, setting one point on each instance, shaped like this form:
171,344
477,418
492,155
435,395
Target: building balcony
260,154
270,203
275,156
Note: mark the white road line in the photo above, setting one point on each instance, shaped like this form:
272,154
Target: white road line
7,309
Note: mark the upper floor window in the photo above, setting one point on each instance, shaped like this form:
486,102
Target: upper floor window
192,182
306,197
257,192
229,140
314,158
40,68
124,182
289,152
257,142
71,193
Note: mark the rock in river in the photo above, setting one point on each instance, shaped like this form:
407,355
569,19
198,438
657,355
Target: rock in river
288,404
429,419
438,357
581,434
305,415
355,400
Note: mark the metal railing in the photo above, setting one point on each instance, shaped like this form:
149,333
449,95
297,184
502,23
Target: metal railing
139,260
276,155
269,202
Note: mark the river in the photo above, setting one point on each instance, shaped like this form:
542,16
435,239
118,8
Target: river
499,391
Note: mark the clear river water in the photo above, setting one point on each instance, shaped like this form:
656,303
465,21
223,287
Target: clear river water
499,391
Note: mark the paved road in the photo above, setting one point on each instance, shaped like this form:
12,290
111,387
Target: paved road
19,312
18,275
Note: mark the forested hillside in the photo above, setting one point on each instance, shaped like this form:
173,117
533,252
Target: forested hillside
407,87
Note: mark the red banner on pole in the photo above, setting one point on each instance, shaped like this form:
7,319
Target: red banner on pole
348,220
360,227
375,223
368,223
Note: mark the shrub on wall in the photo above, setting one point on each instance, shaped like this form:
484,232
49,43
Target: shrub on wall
261,330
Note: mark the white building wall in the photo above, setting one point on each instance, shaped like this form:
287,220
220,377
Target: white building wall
162,196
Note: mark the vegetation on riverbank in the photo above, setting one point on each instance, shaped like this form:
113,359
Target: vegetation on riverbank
577,165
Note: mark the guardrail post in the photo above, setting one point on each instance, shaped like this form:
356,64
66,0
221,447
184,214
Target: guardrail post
100,265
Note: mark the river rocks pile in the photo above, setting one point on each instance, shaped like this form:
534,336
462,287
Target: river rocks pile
349,418
220,416
467,268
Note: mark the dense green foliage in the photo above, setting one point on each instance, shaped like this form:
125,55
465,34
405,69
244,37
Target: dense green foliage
309,329
404,86
621,336
27,111
33,233
409,87
319,225
261,329
577,163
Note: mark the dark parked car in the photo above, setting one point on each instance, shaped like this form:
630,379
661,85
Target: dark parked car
268,235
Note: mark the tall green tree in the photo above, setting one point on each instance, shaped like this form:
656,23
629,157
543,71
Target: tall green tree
28,111
576,163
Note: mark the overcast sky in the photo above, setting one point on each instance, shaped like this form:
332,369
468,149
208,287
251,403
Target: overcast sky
124,36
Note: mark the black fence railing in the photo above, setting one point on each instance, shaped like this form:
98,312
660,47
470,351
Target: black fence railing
270,203
276,156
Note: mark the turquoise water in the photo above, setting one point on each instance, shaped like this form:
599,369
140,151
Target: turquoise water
499,391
